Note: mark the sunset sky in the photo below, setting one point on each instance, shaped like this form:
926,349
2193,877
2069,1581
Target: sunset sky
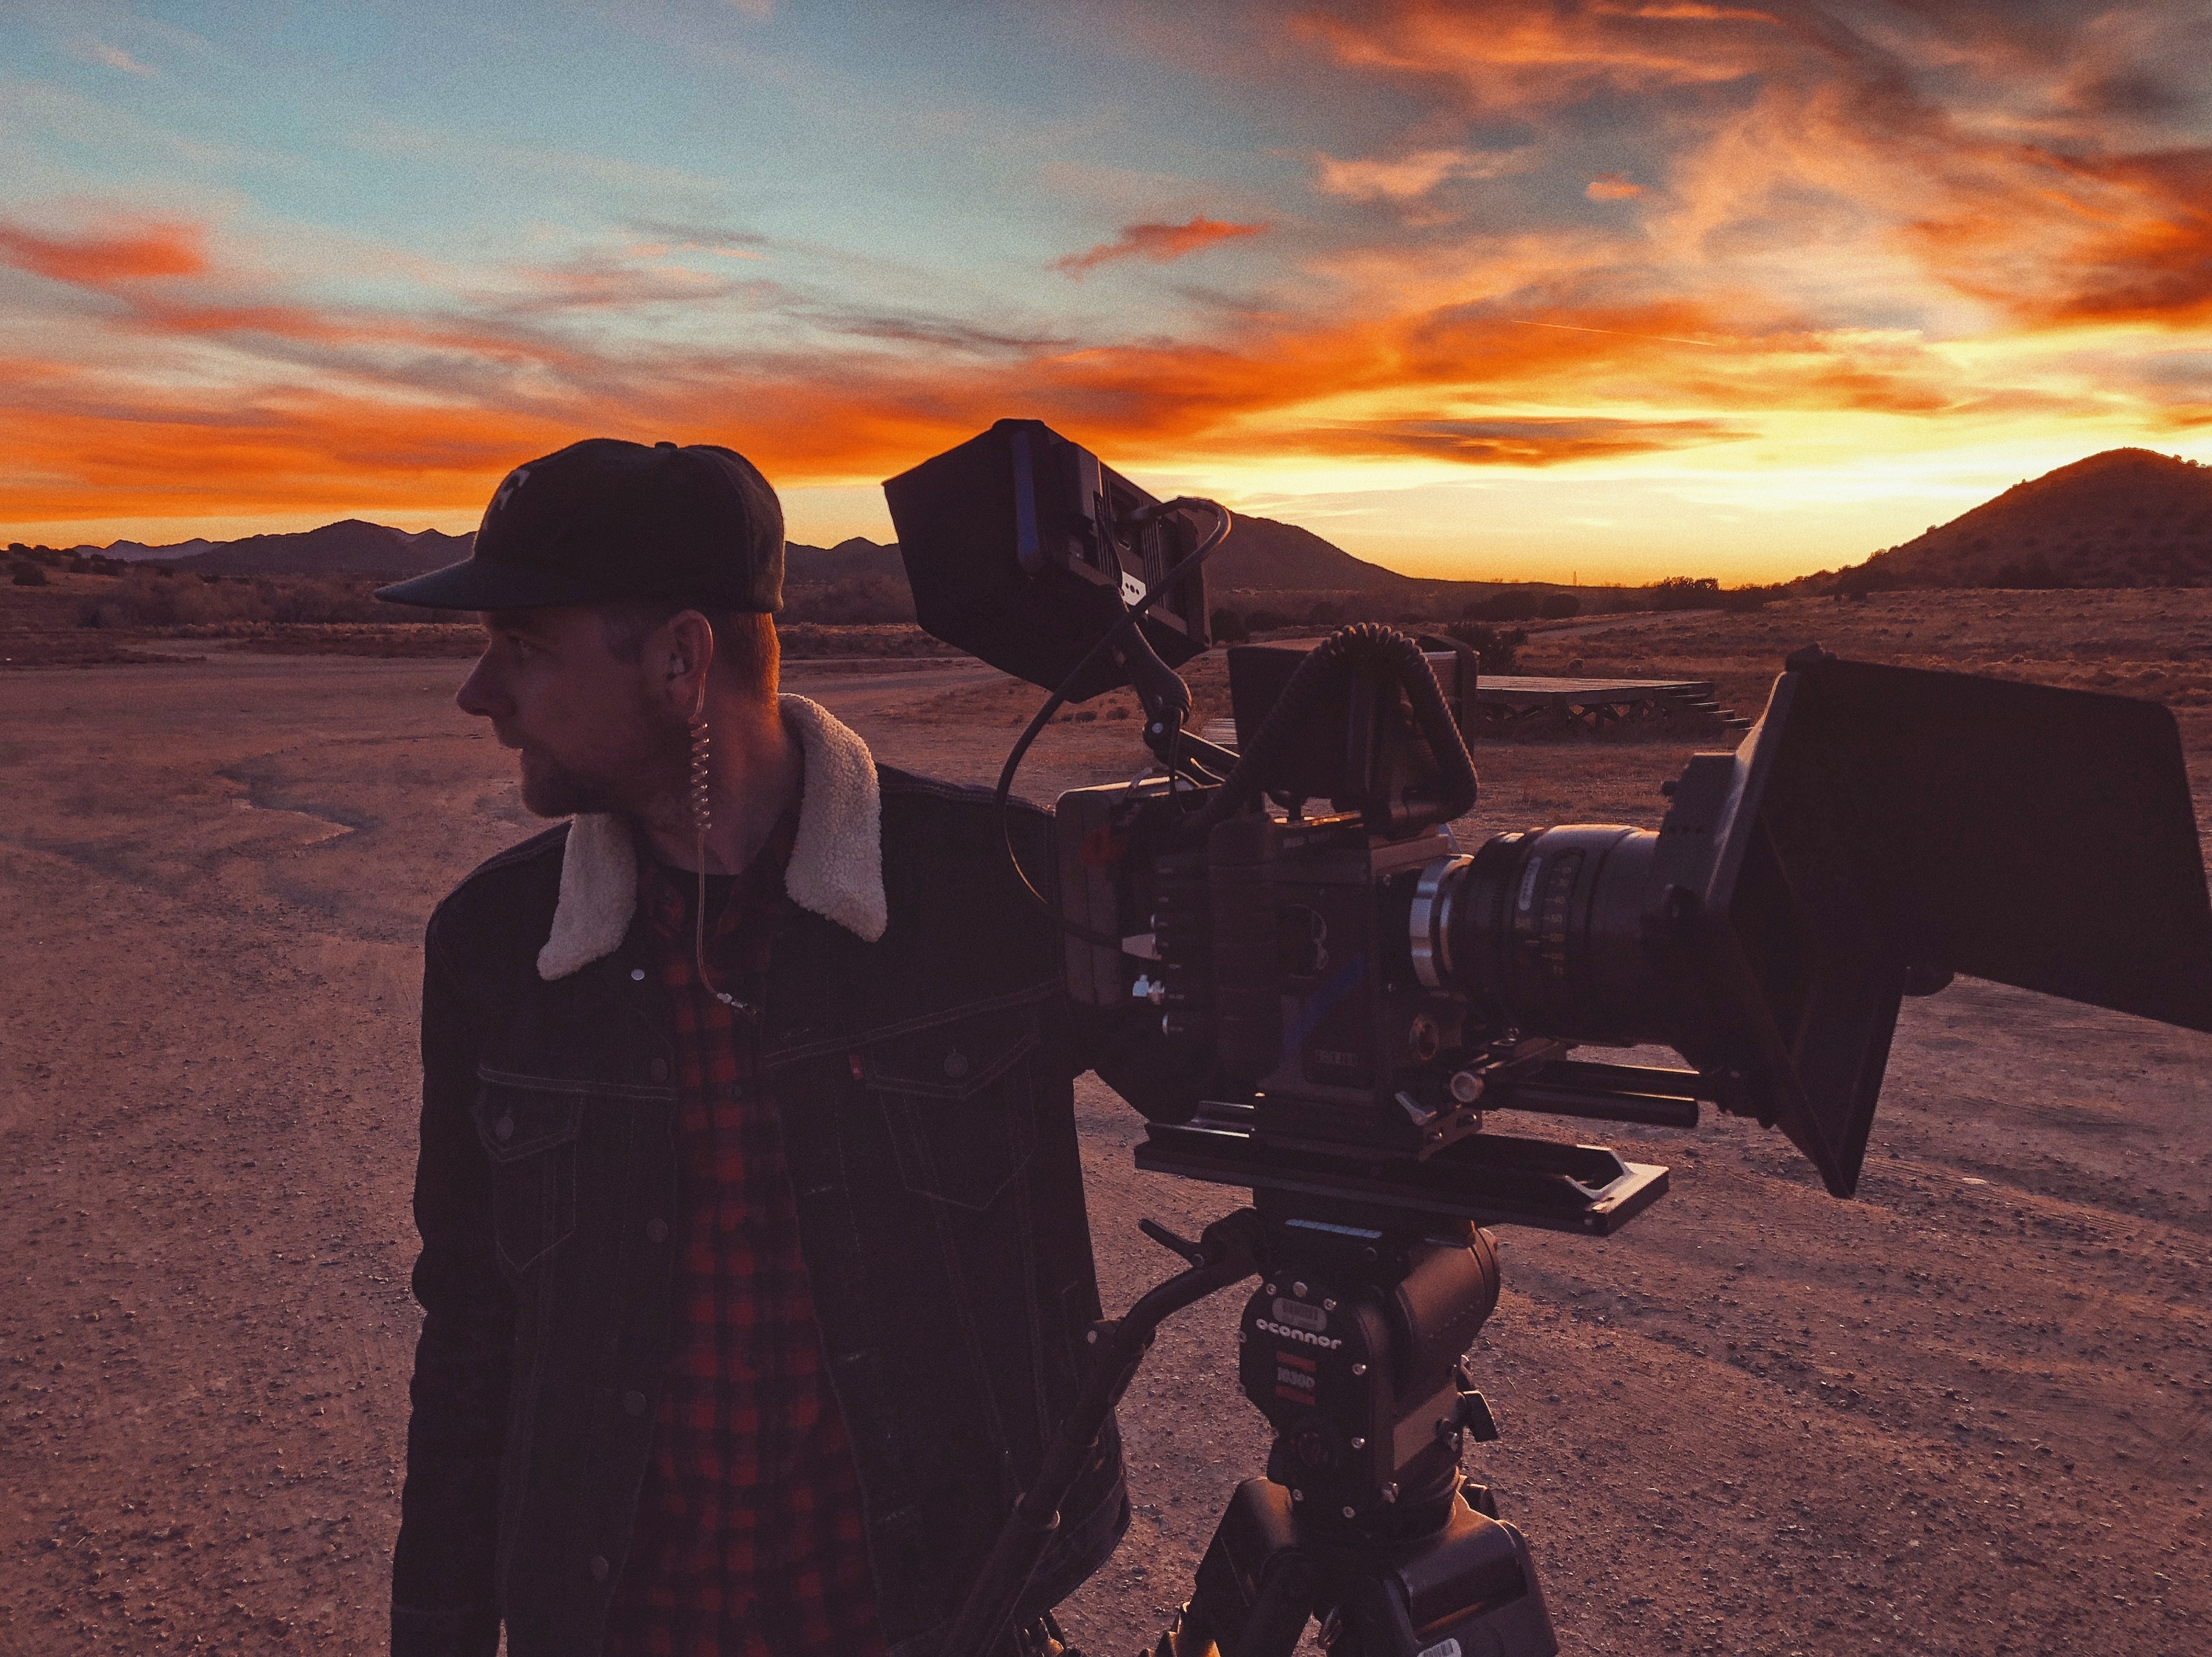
1613,290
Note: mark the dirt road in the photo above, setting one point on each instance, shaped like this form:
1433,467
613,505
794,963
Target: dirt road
1969,1411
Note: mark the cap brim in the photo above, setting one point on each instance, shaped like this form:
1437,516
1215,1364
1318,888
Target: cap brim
479,584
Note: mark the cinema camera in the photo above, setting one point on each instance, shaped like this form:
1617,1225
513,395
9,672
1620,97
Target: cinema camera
1373,998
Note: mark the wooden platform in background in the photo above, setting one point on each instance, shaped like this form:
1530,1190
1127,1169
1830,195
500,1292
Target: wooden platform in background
1510,705
1515,705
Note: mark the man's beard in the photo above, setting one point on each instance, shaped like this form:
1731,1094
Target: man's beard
551,789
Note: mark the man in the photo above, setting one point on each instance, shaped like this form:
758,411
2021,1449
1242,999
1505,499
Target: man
754,1269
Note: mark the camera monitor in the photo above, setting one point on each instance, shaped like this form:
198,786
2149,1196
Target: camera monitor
1022,548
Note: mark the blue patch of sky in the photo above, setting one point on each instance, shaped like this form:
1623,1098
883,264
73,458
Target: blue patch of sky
959,143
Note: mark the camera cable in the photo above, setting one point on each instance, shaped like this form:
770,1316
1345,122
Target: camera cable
1130,614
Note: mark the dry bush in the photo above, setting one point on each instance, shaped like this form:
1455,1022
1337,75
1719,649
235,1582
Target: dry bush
866,600
147,599
805,640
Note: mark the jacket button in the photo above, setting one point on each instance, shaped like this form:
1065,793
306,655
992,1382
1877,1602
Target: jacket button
637,974
955,1063
633,1403
504,1129
656,1230
658,1070
600,1567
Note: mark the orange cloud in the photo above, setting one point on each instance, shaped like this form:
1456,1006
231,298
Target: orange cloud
1813,219
353,408
423,413
2000,151
127,253
1528,56
1535,442
2064,240
1155,243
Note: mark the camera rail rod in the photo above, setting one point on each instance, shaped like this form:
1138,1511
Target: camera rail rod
1227,1251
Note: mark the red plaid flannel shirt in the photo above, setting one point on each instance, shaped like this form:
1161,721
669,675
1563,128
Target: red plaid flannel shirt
749,1539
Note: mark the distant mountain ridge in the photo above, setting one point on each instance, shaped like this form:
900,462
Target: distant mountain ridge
351,546
1260,556
2125,518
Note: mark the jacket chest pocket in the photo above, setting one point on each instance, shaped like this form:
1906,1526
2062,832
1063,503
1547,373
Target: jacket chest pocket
958,1099
529,1134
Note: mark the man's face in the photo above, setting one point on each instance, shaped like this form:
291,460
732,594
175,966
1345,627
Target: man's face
592,735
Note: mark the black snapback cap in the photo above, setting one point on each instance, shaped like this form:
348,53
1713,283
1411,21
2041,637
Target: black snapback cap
604,521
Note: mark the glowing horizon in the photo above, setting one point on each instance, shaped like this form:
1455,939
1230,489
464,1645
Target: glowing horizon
1612,290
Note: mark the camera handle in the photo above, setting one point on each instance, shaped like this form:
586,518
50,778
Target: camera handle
1227,1251
1167,703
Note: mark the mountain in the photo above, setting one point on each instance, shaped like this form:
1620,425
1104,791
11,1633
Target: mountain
1261,555
853,559
138,552
350,547
2126,517
1262,559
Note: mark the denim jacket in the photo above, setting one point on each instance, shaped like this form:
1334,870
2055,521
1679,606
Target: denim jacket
915,1042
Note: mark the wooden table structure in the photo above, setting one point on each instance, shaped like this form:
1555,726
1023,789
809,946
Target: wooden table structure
1515,705
1510,708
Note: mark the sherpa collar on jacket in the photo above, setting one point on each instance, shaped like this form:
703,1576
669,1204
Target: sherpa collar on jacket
836,863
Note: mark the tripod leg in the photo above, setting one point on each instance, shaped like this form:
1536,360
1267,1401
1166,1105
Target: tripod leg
1256,1586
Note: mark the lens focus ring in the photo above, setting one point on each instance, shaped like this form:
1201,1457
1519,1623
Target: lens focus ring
1428,923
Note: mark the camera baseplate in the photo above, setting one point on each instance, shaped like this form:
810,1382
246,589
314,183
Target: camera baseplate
1492,1178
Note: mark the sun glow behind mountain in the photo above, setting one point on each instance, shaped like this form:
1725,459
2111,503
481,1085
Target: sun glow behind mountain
1619,290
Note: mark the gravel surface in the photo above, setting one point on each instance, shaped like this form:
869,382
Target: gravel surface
1967,1413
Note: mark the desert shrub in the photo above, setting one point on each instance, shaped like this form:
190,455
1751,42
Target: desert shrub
1559,606
25,574
324,598
144,598
1496,649
1685,593
1228,626
1517,606
861,601
1750,598
811,639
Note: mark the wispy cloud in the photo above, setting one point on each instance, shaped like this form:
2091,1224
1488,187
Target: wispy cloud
100,52
1403,178
118,251
1157,244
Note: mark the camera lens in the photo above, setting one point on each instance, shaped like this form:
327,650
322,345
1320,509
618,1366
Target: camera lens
1545,930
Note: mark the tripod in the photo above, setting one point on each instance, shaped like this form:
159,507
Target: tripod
1349,1348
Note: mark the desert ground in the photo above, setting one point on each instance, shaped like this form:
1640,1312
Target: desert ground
1967,1411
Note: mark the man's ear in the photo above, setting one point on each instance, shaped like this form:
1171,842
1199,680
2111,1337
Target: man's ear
688,656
